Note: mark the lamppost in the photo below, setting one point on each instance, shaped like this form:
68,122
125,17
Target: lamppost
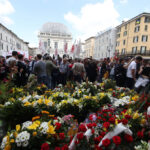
109,48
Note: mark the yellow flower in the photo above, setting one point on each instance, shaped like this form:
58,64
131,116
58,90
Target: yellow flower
12,141
18,127
122,95
51,116
34,125
45,112
66,94
15,134
27,104
143,121
135,115
101,95
129,111
64,102
135,98
40,101
51,129
7,147
34,133
116,121
35,118
12,99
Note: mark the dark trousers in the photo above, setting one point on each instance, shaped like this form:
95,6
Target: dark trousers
77,78
42,79
130,83
63,78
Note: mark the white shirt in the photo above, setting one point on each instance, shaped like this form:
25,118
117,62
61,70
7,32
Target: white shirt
130,68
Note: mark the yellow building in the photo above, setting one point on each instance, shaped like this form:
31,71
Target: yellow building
133,36
89,46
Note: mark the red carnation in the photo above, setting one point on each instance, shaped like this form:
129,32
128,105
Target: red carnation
45,146
57,148
124,121
80,136
128,138
117,140
103,134
58,125
140,134
65,147
89,125
112,120
128,117
106,142
99,118
94,124
82,128
61,136
106,125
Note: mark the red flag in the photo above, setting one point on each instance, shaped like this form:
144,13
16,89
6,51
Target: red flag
65,47
72,49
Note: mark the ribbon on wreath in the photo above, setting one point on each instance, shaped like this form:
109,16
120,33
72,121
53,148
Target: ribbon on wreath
117,130
88,134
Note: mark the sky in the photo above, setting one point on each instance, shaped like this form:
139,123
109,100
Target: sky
84,18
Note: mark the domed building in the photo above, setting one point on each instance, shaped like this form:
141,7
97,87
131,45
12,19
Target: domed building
55,38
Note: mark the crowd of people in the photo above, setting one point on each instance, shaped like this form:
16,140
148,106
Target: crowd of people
51,71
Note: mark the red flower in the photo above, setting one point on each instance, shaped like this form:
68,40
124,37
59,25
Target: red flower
94,124
97,147
89,125
82,128
80,136
128,117
99,118
117,140
124,121
93,131
105,115
57,148
110,115
61,136
98,139
106,142
65,147
103,134
106,125
140,134
45,146
128,138
58,125
112,120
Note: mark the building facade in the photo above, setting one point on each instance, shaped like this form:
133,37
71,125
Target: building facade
9,41
105,43
55,39
133,36
89,46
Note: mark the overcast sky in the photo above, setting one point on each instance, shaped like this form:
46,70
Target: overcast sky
84,18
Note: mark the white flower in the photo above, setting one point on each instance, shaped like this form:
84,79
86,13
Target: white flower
44,127
50,104
37,97
18,144
4,141
35,104
23,136
7,103
25,143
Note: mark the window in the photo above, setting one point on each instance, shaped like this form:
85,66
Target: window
143,49
45,44
1,46
135,39
119,30
123,51
1,36
147,19
7,48
144,38
125,33
126,27
134,50
6,38
137,21
18,46
48,42
137,29
118,35
124,42
117,43
146,27
56,45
